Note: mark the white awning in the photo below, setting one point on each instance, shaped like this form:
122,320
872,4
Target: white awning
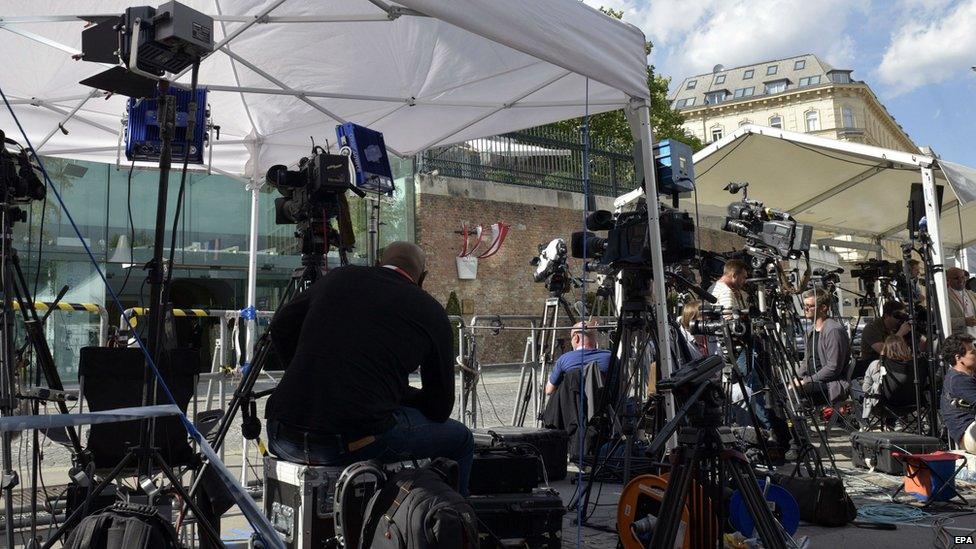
836,186
423,72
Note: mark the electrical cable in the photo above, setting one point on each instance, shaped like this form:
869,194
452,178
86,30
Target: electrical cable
249,510
890,513
132,230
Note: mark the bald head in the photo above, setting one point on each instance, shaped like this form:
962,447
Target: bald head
956,278
407,256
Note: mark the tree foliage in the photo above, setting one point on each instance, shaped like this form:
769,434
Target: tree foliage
610,131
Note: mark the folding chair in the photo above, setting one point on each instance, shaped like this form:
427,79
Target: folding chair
896,396
930,478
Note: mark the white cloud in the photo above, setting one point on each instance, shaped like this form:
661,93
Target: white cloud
692,37
931,51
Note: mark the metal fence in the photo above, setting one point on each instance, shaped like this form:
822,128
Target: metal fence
538,157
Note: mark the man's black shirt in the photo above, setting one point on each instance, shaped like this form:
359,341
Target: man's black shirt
350,341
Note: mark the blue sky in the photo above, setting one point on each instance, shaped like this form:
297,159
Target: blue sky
915,54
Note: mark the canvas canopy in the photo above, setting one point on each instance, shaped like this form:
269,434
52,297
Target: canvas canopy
837,186
424,72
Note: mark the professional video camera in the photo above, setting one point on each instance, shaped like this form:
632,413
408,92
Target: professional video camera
766,228
713,321
626,244
312,196
551,268
874,269
19,183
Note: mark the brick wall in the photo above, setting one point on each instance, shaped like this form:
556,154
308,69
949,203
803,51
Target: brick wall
504,284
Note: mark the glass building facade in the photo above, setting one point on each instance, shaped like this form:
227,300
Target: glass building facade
115,212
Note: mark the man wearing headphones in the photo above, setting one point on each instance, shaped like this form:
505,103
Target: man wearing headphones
824,370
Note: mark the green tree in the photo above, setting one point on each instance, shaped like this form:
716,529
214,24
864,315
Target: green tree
610,131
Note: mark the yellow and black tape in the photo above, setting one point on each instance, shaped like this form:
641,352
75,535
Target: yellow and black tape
138,311
61,305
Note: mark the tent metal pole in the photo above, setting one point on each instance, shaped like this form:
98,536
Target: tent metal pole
66,118
252,270
257,19
349,18
664,362
534,89
299,95
935,232
52,100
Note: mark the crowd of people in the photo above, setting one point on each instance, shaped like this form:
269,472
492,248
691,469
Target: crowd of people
346,397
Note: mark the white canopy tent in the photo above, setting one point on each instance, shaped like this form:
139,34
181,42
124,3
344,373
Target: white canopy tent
423,72
838,186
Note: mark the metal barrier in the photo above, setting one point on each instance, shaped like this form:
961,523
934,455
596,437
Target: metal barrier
532,375
93,308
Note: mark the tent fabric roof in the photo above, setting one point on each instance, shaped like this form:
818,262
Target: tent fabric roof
423,72
836,186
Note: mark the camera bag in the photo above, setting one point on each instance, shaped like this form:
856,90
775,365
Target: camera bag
124,526
420,509
822,500
504,470
552,445
873,450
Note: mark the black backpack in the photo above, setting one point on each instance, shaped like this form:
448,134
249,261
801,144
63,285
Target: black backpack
420,509
124,526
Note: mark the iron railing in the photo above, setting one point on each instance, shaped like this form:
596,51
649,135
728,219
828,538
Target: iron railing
538,157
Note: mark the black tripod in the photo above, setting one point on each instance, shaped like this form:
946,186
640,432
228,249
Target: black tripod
706,452
629,341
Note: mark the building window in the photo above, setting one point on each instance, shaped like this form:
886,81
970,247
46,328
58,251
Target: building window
691,84
813,121
840,77
716,97
748,74
799,65
776,122
847,114
716,134
687,102
720,79
771,70
775,87
809,81
745,92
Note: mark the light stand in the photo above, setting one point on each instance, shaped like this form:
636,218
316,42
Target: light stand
906,250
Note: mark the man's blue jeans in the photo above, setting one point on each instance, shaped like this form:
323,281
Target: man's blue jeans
413,437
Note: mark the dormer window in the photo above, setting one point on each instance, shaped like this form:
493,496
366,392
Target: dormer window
771,70
720,79
691,84
800,64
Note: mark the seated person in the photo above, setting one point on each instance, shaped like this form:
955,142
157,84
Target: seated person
823,373
893,321
959,385
351,340
962,302
584,352
894,353
699,343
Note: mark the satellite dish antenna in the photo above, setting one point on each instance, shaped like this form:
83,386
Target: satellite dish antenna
717,68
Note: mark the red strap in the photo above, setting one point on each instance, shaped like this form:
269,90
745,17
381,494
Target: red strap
401,271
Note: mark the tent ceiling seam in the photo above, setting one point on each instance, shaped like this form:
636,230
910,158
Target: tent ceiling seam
233,68
545,84
837,189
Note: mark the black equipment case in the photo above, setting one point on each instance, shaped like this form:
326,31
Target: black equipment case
551,444
504,470
298,500
536,518
873,450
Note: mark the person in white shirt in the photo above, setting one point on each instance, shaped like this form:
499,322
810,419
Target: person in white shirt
729,289
962,302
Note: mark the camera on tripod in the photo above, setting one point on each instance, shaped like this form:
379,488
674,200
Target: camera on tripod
874,269
714,320
766,228
19,183
626,244
551,267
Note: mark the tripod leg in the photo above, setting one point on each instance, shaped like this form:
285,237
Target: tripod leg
81,509
205,525
770,532
669,517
